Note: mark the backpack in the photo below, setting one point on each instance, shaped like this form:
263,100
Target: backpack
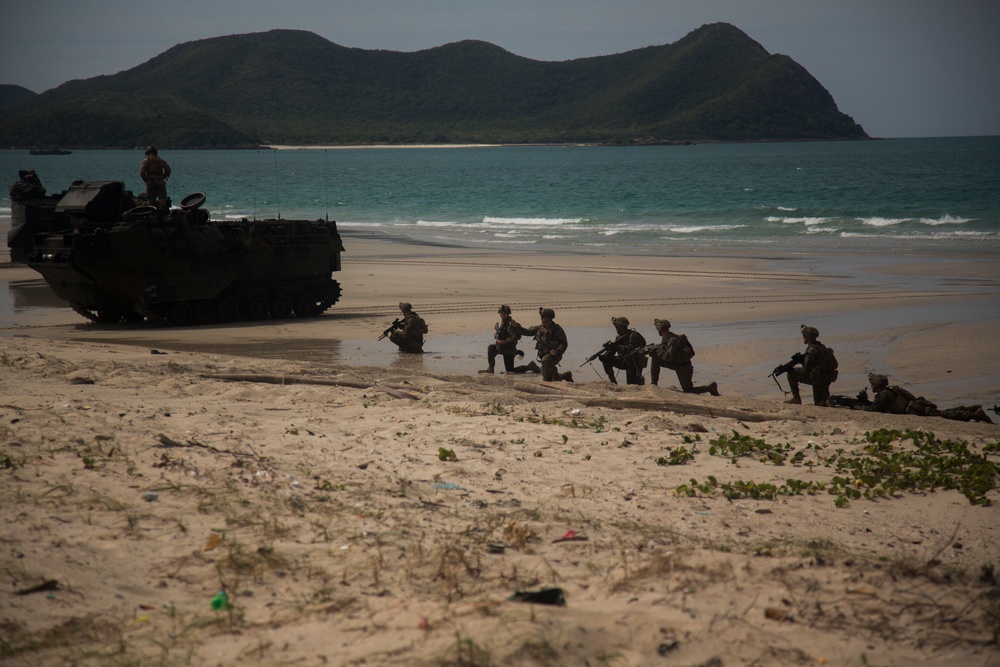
682,352
423,326
831,360
688,347
825,369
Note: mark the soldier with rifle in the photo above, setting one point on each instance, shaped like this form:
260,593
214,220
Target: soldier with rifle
550,344
675,352
818,368
624,352
896,400
407,333
505,338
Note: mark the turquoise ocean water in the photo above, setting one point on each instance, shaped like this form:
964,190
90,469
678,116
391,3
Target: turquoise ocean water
823,196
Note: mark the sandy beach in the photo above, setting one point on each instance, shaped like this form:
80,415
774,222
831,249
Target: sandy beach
359,506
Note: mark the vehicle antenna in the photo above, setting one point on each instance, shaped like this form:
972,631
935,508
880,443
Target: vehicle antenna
326,182
277,185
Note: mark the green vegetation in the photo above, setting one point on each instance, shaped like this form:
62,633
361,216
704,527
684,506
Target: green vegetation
882,468
294,87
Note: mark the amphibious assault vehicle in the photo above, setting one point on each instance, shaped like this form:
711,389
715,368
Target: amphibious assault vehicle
115,259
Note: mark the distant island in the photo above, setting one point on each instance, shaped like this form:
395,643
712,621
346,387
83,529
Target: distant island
294,87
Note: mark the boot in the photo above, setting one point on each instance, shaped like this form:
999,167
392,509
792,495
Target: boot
713,389
567,376
794,400
612,380
489,370
533,367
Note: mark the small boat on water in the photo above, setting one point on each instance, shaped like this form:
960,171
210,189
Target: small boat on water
49,151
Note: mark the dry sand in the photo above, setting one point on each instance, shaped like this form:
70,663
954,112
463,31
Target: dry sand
137,485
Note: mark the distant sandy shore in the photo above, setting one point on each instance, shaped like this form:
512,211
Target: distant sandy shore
343,147
296,492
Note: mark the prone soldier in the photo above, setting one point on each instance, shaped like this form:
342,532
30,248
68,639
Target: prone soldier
896,400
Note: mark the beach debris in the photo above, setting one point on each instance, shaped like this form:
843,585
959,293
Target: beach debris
149,496
695,427
667,405
446,454
571,536
496,547
214,541
47,585
155,351
776,614
220,601
667,647
447,486
549,596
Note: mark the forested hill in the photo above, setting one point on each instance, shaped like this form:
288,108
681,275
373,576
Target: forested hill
294,87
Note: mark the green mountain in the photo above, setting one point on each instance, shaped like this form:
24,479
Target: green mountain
11,95
294,87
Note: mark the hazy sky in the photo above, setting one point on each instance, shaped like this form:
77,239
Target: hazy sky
901,68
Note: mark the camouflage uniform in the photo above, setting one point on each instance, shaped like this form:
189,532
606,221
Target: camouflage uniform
154,172
550,343
816,369
896,400
505,342
409,337
625,353
673,353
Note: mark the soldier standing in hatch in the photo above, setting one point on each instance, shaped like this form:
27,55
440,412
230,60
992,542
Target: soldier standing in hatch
154,172
626,352
504,344
551,345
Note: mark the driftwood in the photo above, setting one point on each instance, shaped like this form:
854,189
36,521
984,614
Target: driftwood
295,379
396,393
686,408
551,390
286,379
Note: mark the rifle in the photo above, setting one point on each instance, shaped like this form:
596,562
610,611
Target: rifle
396,324
607,347
796,359
859,402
